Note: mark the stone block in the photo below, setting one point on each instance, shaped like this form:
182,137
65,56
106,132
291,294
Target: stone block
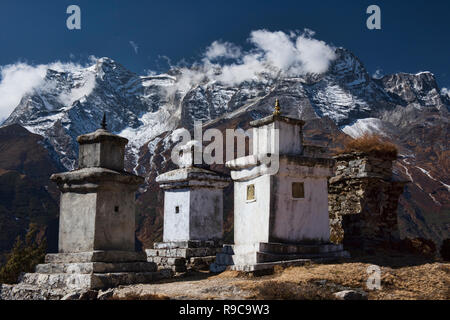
182,252
96,267
187,244
94,281
101,149
96,256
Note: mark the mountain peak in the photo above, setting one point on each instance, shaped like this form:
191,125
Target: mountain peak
105,60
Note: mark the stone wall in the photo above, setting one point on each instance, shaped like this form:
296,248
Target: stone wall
363,199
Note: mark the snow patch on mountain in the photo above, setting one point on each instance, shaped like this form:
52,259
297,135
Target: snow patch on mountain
364,126
431,177
152,125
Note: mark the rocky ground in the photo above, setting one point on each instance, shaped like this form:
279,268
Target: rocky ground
401,278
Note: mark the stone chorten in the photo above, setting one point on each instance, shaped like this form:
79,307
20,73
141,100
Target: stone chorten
363,200
193,217
97,222
279,215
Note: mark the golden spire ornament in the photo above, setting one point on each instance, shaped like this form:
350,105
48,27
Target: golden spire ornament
277,111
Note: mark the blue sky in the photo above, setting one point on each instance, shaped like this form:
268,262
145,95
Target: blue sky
414,35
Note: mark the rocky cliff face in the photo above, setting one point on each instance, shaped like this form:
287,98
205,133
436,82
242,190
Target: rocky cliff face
345,100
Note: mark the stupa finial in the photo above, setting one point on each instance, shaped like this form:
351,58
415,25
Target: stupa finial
277,111
104,121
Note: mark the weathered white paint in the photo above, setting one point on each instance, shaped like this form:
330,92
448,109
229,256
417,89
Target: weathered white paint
278,137
251,218
198,195
176,225
297,220
206,214
275,216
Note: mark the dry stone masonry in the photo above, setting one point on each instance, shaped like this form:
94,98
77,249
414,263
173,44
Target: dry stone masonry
363,199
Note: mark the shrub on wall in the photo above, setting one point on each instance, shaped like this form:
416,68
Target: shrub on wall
371,144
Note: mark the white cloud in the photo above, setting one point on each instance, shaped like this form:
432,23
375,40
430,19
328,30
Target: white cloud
222,50
273,53
20,79
315,56
16,81
134,46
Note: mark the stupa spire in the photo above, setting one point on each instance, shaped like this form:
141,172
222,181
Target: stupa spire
277,111
103,124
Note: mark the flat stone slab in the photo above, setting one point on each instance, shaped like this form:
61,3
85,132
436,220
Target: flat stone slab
192,177
188,244
278,254
167,261
94,281
269,257
96,256
183,252
282,248
284,264
96,267
174,264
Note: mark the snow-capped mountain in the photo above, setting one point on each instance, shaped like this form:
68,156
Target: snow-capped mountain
71,103
142,107
407,108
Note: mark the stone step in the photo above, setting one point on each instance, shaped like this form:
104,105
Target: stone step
273,257
282,248
270,265
167,261
182,252
187,244
96,256
90,281
96,267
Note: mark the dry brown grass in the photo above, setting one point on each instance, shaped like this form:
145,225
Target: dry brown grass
371,144
286,290
428,281
400,280
139,296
